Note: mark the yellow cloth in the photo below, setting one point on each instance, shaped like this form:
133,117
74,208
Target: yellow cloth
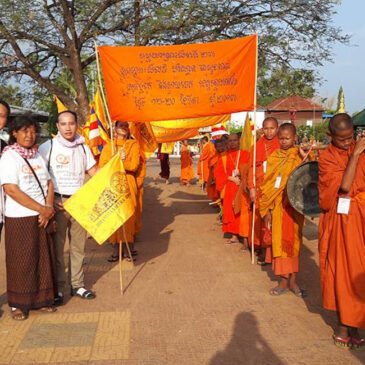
281,163
104,203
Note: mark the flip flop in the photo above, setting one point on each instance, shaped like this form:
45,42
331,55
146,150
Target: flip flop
18,315
344,343
357,343
299,292
232,242
275,292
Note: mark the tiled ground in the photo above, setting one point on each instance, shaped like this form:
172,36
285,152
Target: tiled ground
189,299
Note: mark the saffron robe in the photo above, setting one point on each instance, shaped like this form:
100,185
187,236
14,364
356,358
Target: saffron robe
245,220
264,148
231,221
131,164
287,223
203,163
211,186
187,172
342,238
140,176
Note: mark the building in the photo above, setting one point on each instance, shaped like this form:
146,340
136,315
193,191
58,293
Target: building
295,109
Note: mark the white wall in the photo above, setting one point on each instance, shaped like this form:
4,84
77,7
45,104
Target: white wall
239,118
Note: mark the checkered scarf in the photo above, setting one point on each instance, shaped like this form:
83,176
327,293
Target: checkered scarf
24,152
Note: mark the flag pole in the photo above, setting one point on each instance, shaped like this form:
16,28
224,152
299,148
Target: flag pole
120,267
254,161
104,98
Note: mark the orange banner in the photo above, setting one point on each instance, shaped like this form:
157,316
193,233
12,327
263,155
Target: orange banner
157,83
165,135
193,122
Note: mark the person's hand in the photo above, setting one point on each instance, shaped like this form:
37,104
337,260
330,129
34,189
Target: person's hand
59,206
302,152
122,155
268,220
47,212
360,146
253,195
236,180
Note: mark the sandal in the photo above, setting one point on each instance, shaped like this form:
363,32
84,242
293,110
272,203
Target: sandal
47,309
275,292
18,315
82,293
113,258
357,343
232,242
262,263
58,299
299,292
345,343
128,259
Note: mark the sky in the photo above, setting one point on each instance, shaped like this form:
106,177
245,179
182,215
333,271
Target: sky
348,68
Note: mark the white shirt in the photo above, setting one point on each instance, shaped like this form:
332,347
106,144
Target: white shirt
65,181
14,170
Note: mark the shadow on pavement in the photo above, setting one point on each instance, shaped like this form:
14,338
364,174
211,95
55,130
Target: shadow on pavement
247,346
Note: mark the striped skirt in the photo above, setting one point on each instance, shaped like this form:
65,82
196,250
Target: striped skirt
30,264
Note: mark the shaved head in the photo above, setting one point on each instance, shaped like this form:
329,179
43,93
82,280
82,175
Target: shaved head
270,119
340,122
288,127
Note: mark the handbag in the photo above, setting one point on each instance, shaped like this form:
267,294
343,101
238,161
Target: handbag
51,227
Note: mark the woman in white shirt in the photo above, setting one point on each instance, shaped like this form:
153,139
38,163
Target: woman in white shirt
28,209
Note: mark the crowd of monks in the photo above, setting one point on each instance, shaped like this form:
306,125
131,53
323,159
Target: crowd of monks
252,197
250,191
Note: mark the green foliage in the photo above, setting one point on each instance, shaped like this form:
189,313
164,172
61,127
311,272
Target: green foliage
283,82
318,132
12,95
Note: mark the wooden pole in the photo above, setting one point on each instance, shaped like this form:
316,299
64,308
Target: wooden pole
127,244
104,98
254,161
120,267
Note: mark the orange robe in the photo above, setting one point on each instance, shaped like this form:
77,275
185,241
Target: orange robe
140,176
287,223
342,238
245,222
211,187
231,221
187,172
131,164
264,148
203,163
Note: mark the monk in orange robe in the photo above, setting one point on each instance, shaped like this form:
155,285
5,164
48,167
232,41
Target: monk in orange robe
187,172
203,163
140,176
274,205
264,148
220,148
341,229
227,174
130,155
242,205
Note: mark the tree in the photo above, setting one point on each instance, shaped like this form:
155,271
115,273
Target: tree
41,39
12,95
283,82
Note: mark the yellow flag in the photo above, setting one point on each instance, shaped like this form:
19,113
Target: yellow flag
60,106
246,137
143,133
167,135
104,203
167,147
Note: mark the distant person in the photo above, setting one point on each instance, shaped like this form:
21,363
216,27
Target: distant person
187,172
341,230
30,255
69,159
220,149
207,151
285,222
165,165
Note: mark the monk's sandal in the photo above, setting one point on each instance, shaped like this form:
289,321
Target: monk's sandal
83,293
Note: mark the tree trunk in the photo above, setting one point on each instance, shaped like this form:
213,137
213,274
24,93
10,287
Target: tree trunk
82,99
137,19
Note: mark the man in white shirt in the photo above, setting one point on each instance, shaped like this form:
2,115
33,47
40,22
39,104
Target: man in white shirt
68,159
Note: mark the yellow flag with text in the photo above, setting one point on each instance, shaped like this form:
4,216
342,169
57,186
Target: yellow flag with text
104,203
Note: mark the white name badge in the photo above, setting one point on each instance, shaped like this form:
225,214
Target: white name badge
343,206
277,182
264,165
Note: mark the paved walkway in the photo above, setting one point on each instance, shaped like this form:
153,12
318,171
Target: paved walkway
189,300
